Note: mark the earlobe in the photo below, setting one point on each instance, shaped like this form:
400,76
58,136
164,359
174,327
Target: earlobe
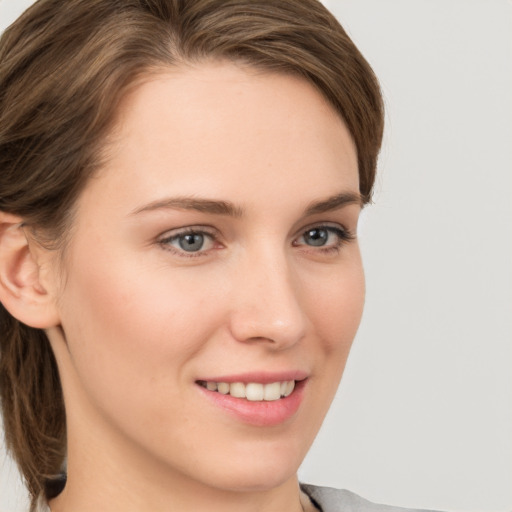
21,290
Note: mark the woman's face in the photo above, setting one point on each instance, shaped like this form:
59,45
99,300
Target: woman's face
216,246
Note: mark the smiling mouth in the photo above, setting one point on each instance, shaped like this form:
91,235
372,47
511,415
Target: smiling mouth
252,391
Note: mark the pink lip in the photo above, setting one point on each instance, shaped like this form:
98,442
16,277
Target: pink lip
261,377
261,414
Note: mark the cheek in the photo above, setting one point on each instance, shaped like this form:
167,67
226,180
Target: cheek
338,306
120,324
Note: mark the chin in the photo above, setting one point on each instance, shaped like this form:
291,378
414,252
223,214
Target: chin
254,479
267,467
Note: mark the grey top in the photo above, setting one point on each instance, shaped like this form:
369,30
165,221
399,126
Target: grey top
328,499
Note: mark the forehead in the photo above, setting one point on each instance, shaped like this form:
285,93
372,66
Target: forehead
222,128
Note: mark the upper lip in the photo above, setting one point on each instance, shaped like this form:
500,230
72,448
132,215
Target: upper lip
263,377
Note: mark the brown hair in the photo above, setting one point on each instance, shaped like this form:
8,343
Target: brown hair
64,67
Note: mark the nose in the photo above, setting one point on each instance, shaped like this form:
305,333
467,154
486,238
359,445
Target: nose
267,304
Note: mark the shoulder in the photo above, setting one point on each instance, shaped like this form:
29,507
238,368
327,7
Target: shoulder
341,500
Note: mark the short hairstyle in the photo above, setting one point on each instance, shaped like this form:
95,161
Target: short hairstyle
64,68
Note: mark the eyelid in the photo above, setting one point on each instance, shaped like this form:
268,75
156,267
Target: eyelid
344,235
333,226
185,230
167,237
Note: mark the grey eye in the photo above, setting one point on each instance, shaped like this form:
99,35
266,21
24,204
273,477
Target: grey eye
316,237
191,242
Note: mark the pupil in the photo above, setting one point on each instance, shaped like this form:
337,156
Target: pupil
316,237
192,242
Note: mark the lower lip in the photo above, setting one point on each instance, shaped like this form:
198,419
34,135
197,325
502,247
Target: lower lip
263,413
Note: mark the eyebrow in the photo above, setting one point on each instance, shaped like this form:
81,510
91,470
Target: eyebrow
193,203
334,203
219,207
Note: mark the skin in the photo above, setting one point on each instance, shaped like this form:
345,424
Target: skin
139,320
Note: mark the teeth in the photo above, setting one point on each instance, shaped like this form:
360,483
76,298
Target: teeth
223,387
272,391
253,391
237,389
289,388
212,386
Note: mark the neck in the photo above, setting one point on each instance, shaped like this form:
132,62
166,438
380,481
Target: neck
102,475
113,496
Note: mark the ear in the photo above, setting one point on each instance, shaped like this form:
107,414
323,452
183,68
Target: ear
21,291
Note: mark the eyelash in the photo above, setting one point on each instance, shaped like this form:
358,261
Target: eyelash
343,237
166,242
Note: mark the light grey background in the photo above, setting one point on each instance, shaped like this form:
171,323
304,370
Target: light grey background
424,414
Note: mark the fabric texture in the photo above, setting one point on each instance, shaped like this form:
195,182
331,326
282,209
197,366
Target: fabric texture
327,499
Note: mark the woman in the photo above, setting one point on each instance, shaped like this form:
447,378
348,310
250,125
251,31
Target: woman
180,277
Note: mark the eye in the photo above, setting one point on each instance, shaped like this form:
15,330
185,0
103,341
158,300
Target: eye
326,237
316,237
190,241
